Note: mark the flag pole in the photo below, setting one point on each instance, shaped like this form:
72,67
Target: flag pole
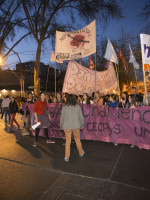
55,78
95,71
135,74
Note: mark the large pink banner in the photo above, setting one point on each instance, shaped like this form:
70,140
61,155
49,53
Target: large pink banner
79,80
127,126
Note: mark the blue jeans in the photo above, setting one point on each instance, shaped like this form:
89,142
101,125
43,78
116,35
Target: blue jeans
6,112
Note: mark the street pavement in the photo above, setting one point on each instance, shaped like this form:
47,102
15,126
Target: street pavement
105,171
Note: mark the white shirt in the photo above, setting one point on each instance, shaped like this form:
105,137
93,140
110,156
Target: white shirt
5,102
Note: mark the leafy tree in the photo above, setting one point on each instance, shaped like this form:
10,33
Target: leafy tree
45,16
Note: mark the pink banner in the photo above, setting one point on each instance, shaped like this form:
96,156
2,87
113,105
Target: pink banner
127,126
79,80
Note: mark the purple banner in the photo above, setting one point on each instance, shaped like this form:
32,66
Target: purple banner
128,126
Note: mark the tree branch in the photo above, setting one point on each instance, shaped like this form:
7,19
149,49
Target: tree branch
16,44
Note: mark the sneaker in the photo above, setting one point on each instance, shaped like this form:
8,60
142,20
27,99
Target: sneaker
132,146
26,134
115,144
9,130
35,144
82,154
66,159
50,141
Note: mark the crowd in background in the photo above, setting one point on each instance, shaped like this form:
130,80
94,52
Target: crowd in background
10,106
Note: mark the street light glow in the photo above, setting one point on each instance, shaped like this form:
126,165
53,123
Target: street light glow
1,60
4,90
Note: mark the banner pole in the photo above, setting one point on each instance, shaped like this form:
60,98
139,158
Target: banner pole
117,73
145,87
55,63
47,77
95,71
143,62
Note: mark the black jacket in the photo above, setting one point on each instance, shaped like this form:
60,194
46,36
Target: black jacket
13,107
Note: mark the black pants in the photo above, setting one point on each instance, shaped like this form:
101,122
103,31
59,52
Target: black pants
37,133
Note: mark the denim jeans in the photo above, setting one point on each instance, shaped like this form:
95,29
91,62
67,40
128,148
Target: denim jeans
6,112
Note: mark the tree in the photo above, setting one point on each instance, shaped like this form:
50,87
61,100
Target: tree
10,20
45,16
145,13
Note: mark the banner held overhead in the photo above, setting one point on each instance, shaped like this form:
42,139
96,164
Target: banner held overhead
73,45
79,80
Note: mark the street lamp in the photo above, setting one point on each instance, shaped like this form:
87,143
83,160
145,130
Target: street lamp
1,60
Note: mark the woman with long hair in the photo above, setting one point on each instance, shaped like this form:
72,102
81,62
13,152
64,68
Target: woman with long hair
42,115
71,121
98,100
132,101
124,100
112,101
86,99
132,104
13,109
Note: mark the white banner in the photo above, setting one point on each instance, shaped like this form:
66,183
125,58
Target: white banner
145,46
76,44
79,80
52,58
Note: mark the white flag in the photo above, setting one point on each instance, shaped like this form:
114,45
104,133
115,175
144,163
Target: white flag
52,58
132,59
110,53
76,44
145,46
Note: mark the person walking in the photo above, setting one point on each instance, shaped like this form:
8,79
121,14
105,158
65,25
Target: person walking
42,115
5,105
30,100
71,121
13,108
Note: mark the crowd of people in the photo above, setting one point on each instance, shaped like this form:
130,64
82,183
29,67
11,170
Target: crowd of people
71,120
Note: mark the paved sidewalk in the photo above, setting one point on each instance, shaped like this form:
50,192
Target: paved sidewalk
105,172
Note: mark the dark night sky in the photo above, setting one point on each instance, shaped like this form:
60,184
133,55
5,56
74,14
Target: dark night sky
132,24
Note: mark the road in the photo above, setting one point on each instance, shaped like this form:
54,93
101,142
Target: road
105,172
